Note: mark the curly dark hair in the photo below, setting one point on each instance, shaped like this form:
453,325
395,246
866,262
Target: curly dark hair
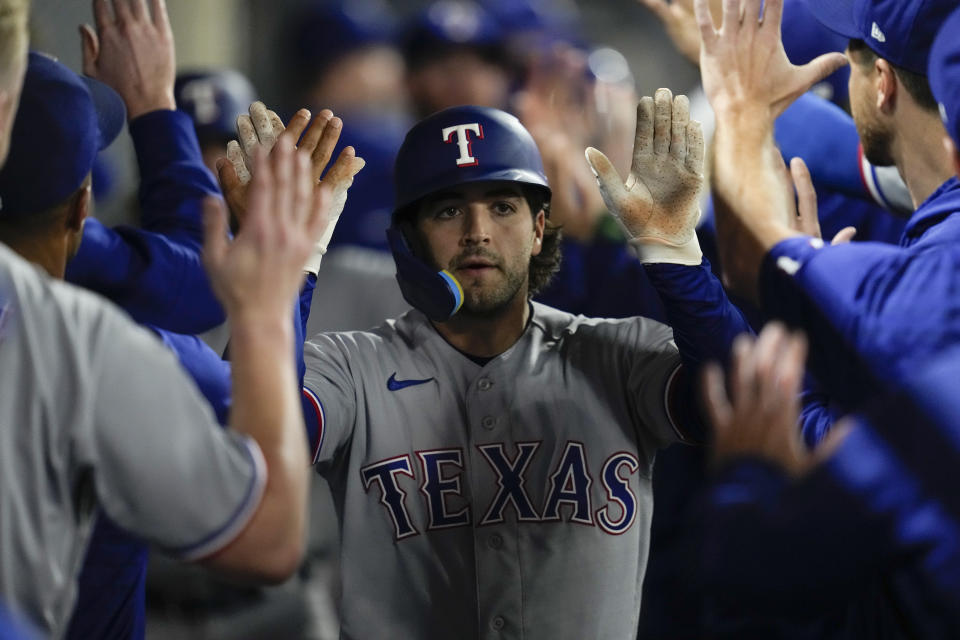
545,264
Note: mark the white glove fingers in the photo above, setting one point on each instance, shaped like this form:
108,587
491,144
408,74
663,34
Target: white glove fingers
643,140
238,160
612,188
247,137
276,123
262,125
662,116
678,130
695,147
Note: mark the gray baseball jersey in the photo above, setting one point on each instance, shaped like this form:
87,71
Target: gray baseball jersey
510,500
95,412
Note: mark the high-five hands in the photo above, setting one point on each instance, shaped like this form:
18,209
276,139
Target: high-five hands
759,418
658,204
261,130
260,271
743,65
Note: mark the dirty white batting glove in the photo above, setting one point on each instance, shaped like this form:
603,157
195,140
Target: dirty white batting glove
658,204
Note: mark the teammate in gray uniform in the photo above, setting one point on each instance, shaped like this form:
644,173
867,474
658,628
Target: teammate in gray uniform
95,412
491,457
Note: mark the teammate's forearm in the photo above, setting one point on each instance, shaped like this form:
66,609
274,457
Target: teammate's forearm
267,408
749,197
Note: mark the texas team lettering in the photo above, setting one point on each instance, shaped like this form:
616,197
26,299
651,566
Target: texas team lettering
568,496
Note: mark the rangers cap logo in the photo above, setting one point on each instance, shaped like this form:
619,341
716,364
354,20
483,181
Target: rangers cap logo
465,159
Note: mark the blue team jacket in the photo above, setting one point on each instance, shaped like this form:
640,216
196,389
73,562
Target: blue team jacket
894,306
155,272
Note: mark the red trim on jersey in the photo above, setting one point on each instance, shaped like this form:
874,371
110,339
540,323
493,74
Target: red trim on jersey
318,409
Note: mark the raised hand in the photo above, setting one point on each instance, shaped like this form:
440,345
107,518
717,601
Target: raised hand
317,140
260,271
806,221
743,65
759,419
132,51
658,203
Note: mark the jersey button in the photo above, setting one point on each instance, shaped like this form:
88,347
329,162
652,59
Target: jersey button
484,384
488,422
497,623
495,541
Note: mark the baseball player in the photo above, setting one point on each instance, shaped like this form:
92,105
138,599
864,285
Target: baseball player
198,490
892,487
490,457
155,273
893,304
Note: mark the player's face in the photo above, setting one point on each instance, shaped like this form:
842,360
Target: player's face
875,134
484,234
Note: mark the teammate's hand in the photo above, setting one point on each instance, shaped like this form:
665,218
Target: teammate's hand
759,419
131,50
576,205
743,66
317,140
659,202
260,272
681,24
806,220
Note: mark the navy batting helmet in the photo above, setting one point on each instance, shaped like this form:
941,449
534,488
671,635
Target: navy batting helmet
213,100
453,147
465,144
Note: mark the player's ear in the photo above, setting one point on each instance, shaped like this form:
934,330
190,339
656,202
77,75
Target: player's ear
539,223
79,208
886,83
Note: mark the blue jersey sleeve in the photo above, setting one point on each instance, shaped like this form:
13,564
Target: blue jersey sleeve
209,371
155,272
891,307
173,179
704,323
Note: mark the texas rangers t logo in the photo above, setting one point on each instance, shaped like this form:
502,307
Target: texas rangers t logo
463,141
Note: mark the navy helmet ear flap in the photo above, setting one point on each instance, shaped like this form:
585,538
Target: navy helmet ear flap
436,293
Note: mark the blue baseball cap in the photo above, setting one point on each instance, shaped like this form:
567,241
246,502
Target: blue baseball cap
62,122
944,74
900,31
